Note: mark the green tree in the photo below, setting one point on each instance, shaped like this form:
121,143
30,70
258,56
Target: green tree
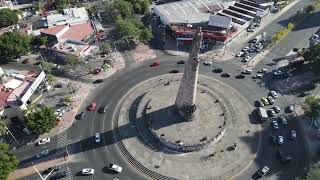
145,35
39,40
3,128
310,8
38,6
105,48
290,27
46,66
41,120
313,57
8,162
8,17
311,106
127,28
145,4
120,8
91,10
50,78
61,4
13,45
72,61
137,8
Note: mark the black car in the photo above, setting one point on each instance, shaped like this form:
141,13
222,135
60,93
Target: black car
225,75
240,76
58,86
217,70
81,115
103,109
53,169
59,175
181,62
98,81
174,71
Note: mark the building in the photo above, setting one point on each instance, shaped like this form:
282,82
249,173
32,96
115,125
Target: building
70,39
17,89
69,16
220,20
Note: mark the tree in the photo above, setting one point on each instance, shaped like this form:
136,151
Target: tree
39,40
290,26
120,8
8,162
8,17
145,4
50,78
310,8
72,61
38,6
46,66
311,106
127,28
105,48
61,4
41,120
313,57
3,128
145,35
13,45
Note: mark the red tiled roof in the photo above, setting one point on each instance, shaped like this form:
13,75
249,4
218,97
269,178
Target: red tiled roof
4,96
78,31
53,30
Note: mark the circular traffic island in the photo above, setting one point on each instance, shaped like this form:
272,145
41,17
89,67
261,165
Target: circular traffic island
160,144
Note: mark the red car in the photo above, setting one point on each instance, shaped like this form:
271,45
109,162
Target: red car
92,106
157,63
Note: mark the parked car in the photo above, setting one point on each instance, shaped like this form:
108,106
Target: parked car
247,58
274,94
258,76
97,137
59,175
115,168
252,49
87,171
53,169
293,134
265,101
280,140
240,76
154,64
250,29
272,112
275,125
259,103
270,99
217,70
103,109
247,71
283,120
277,73
259,49
290,109
276,109
181,62
245,49
42,153
208,63
92,106
264,70
240,54
98,81
43,141
225,75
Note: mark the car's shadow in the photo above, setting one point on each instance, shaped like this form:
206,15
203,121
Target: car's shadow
108,171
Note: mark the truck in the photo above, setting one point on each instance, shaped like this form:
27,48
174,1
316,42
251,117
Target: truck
263,115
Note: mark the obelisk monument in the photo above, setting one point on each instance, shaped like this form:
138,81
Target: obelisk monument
186,98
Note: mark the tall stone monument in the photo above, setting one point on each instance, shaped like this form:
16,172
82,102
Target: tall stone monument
186,98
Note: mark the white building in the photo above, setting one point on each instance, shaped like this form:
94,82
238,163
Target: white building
69,16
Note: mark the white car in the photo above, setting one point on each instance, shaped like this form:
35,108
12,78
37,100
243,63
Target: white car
245,49
87,171
262,172
263,70
276,109
44,141
43,153
275,125
247,71
97,137
258,76
280,140
274,94
208,63
115,168
272,112
240,54
264,34
247,58
277,73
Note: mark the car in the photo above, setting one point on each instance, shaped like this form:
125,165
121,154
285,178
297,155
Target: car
270,99
290,109
59,175
245,49
53,169
293,134
252,49
258,76
272,112
274,94
259,103
250,29
58,85
208,63
154,64
280,140
26,130
87,171
259,49
181,62
240,54
240,76
276,109
265,101
217,70
247,71
81,115
247,58
226,75
283,120
103,109
257,45
115,168
92,106
262,172
97,137
264,70
42,153
275,125
98,81
43,141
96,71
277,73
263,34
174,71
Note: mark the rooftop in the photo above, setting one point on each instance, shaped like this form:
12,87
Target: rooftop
69,16
187,11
